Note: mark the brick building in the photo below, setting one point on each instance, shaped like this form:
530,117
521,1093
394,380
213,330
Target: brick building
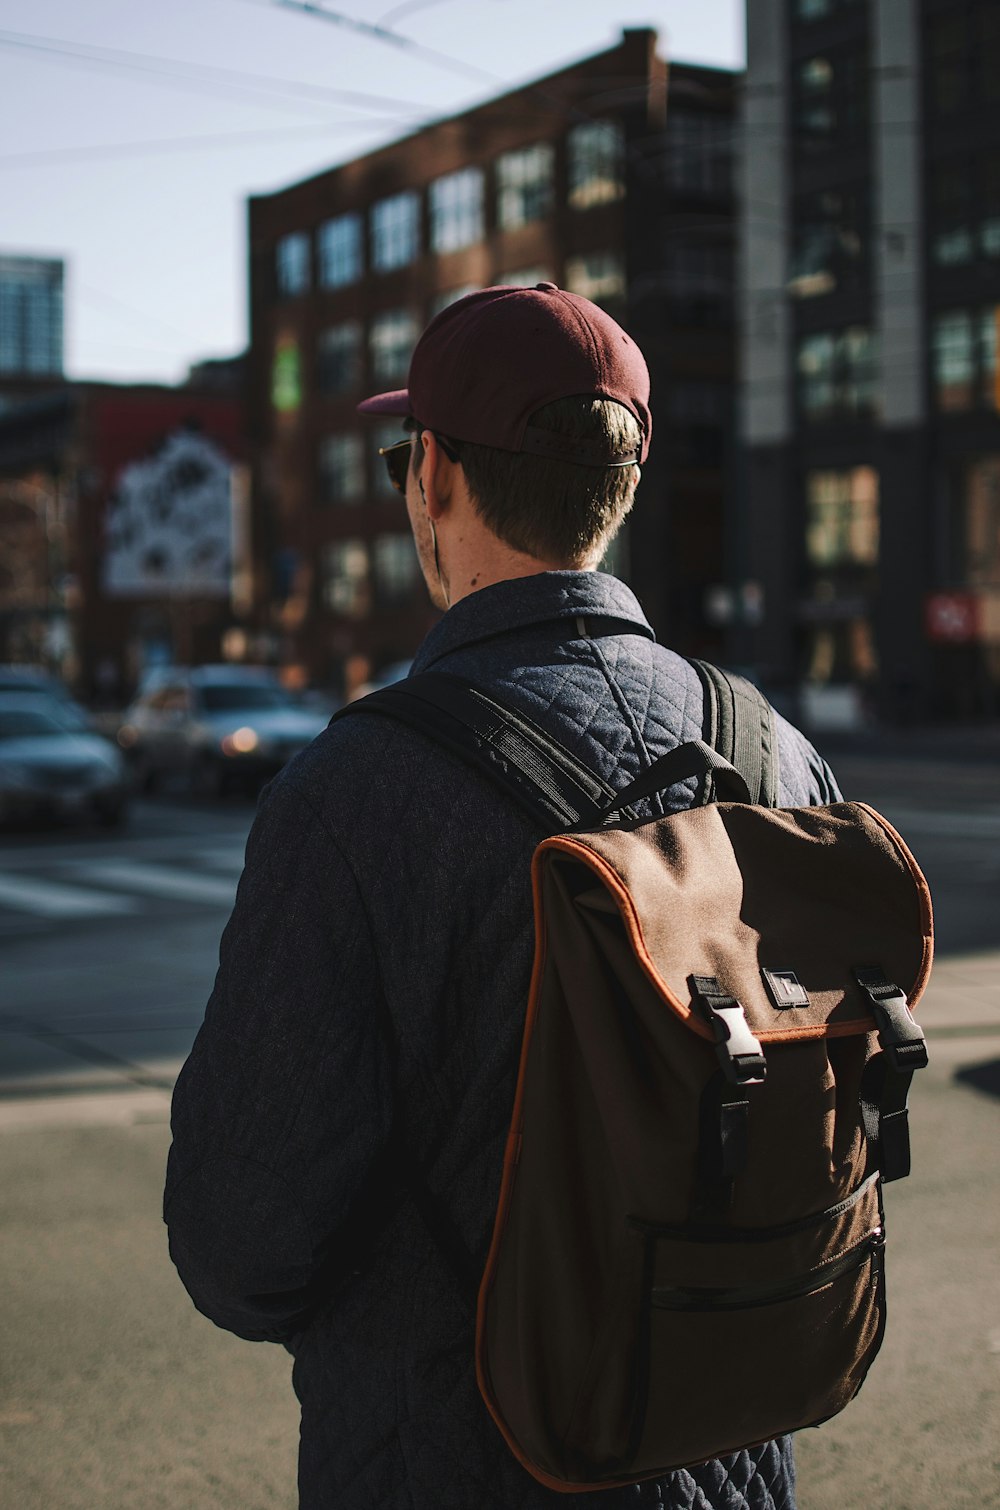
585,178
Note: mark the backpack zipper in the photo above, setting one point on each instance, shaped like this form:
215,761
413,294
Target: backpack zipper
744,1297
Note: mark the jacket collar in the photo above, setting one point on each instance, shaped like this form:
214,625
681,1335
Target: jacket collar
507,607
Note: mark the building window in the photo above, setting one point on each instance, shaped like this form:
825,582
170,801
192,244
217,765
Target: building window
338,352
293,264
524,185
951,213
340,257
456,207
346,587
948,71
286,376
698,281
982,523
828,248
837,374
395,227
699,153
964,352
341,469
596,153
395,567
392,338
831,97
450,296
31,315
525,277
599,276
842,518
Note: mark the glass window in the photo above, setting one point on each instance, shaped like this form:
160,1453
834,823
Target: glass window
842,517
395,228
599,276
699,152
525,277
988,387
392,338
831,96
338,352
954,360
456,207
524,185
340,255
345,584
341,469
286,376
809,10
449,296
989,226
827,252
395,567
596,153
292,258
837,374
699,282
948,63
982,523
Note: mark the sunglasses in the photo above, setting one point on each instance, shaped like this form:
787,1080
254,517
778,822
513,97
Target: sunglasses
397,457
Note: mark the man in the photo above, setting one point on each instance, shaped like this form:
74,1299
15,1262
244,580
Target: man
361,1044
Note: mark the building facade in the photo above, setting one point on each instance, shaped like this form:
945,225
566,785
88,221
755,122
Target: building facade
870,295
31,325
585,179
124,532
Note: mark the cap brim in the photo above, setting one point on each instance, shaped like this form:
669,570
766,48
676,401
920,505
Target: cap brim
387,403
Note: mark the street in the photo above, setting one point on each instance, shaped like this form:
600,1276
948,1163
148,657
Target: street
117,1394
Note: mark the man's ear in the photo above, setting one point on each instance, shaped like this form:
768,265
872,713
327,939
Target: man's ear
435,477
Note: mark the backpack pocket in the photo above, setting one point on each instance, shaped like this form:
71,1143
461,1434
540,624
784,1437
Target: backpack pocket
769,1329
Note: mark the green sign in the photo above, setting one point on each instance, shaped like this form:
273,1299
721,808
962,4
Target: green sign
286,378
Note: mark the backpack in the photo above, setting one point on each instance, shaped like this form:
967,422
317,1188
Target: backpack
687,1257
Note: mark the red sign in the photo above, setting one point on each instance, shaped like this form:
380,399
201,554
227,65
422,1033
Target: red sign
952,618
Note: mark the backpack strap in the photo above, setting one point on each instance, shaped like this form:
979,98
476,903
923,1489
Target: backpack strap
739,724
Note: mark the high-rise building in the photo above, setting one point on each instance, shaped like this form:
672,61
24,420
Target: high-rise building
585,178
870,306
31,317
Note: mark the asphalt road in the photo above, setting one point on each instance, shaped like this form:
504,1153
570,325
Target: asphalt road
115,1393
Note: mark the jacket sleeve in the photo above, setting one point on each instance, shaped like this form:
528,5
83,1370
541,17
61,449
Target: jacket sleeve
284,1105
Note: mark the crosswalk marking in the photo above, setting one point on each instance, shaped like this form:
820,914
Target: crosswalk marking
54,899
161,881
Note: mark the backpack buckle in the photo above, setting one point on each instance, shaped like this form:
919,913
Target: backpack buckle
739,1052
900,1037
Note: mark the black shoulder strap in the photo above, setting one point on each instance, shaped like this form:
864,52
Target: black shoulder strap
542,776
739,724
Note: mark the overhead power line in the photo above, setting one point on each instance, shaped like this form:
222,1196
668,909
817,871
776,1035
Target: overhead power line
392,39
261,88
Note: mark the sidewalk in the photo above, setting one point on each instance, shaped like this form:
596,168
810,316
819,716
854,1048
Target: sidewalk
117,1394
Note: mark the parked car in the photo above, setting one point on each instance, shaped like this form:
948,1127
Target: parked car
217,726
51,767
31,680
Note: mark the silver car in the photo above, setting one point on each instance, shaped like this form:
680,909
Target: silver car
52,767
216,726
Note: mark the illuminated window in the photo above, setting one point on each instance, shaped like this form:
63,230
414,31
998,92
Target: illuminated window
395,567
599,276
340,259
292,263
842,517
837,374
338,352
524,185
954,360
395,229
341,469
346,588
392,338
456,206
596,152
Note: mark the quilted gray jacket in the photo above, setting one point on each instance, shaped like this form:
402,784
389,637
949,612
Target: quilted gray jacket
373,976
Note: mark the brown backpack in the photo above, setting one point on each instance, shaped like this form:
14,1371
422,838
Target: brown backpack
687,1257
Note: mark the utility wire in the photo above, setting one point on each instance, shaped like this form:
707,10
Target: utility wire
392,39
200,75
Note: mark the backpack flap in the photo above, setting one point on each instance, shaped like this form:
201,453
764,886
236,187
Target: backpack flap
688,1247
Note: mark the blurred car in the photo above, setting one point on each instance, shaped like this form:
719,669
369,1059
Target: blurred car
51,767
217,726
32,680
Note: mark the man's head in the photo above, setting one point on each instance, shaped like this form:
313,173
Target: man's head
543,401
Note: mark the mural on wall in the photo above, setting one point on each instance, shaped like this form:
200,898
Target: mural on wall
169,524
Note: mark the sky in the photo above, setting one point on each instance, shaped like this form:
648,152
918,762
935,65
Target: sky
132,133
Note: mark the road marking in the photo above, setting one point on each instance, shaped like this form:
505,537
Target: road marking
161,881
54,899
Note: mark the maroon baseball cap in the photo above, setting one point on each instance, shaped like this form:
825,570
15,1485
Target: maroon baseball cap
486,363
